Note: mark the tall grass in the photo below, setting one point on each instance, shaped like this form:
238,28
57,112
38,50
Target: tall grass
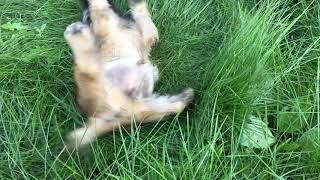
242,57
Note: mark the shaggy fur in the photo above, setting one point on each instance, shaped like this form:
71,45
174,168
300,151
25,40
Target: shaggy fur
114,75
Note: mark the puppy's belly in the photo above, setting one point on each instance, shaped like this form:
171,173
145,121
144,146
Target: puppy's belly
134,79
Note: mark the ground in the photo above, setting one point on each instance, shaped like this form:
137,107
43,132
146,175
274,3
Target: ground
243,58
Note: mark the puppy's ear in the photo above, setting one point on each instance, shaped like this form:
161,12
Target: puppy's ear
86,13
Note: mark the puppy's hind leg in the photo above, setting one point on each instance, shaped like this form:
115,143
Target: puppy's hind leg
155,108
87,135
143,111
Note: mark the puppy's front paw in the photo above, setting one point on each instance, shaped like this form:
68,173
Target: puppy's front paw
79,37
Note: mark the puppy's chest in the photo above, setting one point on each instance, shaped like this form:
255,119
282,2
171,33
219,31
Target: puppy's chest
129,76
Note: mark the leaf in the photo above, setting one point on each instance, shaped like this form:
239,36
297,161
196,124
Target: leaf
310,140
294,118
13,26
256,134
41,29
288,147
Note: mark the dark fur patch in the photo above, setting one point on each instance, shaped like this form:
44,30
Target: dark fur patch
131,93
108,119
127,16
137,1
132,2
140,62
85,4
86,17
76,28
86,13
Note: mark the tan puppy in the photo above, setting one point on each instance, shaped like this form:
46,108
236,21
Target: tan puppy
113,72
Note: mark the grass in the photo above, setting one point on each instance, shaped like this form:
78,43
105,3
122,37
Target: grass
243,58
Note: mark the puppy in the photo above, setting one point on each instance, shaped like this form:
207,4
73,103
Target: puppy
114,75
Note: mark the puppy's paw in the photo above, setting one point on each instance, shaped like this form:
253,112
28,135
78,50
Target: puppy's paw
80,138
186,96
79,37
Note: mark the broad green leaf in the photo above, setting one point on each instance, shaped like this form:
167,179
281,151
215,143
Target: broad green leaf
14,26
288,146
294,118
256,134
310,140
41,29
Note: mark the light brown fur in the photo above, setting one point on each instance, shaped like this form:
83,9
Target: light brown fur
109,40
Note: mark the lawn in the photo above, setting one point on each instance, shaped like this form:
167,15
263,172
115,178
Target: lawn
246,59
